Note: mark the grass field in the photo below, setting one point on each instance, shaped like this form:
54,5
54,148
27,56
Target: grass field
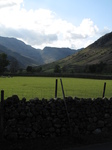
44,87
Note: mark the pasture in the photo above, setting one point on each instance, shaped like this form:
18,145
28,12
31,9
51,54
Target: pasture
44,87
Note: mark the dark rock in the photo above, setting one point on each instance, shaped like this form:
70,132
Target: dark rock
76,98
15,99
51,129
97,131
22,115
58,131
100,124
104,130
36,99
42,118
28,130
63,131
110,99
91,120
95,119
12,135
107,116
23,100
76,130
91,127
29,114
33,134
11,122
57,122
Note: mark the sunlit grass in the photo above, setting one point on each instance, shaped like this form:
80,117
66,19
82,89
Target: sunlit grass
44,87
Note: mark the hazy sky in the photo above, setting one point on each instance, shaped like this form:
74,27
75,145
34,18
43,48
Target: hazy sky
59,23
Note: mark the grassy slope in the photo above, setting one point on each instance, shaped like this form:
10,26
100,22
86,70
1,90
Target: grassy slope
85,57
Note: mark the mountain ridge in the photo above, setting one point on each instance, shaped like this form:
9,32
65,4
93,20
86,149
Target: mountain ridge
32,56
105,40
95,52
22,60
54,53
98,52
72,60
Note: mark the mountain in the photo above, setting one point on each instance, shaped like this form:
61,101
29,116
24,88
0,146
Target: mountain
98,52
22,60
29,56
51,54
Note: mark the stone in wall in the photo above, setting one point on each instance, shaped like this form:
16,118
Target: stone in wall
49,118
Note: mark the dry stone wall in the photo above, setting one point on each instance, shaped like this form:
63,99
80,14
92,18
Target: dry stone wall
49,118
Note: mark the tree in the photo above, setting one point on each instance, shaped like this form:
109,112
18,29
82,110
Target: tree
4,62
29,69
97,68
39,69
57,69
64,69
14,66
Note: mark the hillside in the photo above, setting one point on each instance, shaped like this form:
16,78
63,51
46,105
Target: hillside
30,54
98,52
22,60
27,55
51,54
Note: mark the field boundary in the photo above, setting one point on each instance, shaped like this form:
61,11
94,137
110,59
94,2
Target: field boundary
56,117
71,75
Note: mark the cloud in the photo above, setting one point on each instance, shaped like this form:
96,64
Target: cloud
87,27
43,27
9,3
36,38
29,36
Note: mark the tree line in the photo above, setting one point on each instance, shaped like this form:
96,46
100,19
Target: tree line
6,65
4,62
13,67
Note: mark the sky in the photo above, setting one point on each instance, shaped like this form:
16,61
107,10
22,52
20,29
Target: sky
56,23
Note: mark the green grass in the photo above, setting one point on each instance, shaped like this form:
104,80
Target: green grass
44,87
